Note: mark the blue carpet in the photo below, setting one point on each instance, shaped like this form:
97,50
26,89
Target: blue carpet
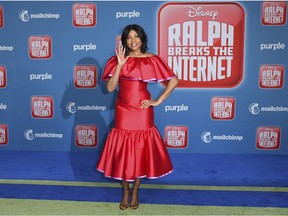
192,170
197,169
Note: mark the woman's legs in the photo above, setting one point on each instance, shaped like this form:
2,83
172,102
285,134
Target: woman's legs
126,194
135,195
125,197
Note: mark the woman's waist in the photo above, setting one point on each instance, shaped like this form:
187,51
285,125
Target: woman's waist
133,99
132,85
134,95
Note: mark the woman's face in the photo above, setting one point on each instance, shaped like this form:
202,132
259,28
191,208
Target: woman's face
133,41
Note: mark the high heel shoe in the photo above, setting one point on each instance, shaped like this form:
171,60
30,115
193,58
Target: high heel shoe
125,196
135,199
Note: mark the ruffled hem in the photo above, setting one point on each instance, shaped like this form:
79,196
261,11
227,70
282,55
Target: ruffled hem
147,69
132,154
139,177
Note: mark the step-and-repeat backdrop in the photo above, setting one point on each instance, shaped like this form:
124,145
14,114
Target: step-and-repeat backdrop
230,58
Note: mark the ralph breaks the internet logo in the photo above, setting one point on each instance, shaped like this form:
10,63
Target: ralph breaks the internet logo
203,43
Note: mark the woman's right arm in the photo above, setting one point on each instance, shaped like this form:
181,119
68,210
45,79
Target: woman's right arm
112,83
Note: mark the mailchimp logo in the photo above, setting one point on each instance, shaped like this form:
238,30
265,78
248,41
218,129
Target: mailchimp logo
206,137
203,43
24,16
254,108
72,108
28,134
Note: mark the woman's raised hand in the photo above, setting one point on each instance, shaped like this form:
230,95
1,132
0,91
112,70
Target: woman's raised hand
121,58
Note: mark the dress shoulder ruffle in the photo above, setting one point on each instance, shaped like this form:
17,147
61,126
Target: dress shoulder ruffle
147,69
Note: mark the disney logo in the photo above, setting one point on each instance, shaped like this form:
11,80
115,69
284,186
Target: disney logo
193,12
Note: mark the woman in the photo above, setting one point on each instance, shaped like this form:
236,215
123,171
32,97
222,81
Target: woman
134,148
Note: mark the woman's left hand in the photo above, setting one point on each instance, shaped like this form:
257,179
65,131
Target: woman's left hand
147,103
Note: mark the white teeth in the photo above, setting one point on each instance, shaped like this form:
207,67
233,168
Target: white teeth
134,45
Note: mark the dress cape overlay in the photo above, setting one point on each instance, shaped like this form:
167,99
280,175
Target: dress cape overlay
134,147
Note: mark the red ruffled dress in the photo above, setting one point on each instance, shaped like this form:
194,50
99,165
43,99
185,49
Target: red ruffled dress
134,147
